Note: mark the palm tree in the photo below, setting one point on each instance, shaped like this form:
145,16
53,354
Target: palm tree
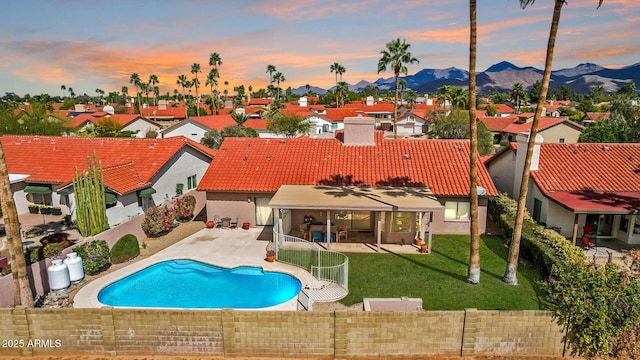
403,87
510,276
250,88
182,81
212,80
412,97
125,91
341,89
517,95
22,294
215,60
445,92
153,80
271,69
338,69
63,88
396,55
135,80
278,78
473,272
195,69
144,87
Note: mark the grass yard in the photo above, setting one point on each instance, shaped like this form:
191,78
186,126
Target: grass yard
440,278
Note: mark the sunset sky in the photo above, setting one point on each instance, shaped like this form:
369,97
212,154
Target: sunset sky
87,44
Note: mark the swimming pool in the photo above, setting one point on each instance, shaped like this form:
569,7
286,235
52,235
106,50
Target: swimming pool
190,284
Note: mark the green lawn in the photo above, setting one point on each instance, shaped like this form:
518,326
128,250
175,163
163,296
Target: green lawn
440,278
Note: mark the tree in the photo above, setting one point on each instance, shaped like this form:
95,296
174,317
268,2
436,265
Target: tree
153,80
473,271
270,70
182,81
240,118
22,295
215,60
212,139
195,69
605,132
338,69
288,124
396,55
135,80
88,187
212,80
403,87
33,120
445,93
534,93
563,92
63,88
125,91
278,78
517,96
628,89
412,97
341,90
510,275
456,125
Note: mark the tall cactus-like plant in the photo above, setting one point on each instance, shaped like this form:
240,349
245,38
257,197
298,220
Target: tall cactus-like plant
91,212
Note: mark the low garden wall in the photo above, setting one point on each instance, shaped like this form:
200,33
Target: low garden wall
231,333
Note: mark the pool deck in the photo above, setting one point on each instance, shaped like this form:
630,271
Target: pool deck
221,247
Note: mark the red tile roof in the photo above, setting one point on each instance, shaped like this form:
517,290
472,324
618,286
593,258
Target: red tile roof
263,165
498,123
52,159
545,123
590,176
169,112
375,108
340,114
81,120
217,122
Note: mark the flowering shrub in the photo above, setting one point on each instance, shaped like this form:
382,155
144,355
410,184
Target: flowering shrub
158,220
95,256
184,207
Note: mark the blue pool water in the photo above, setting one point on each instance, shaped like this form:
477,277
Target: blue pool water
192,284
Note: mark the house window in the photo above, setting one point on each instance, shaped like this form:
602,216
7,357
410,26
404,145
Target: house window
192,182
456,210
562,140
401,221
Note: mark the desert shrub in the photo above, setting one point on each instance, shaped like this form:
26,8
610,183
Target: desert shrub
184,207
125,249
95,256
45,252
158,220
6,271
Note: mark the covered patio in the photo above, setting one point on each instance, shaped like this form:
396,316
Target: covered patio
389,215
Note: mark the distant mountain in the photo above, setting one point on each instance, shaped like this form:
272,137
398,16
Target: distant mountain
503,75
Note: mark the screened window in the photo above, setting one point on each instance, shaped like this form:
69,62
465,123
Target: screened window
401,221
192,182
456,210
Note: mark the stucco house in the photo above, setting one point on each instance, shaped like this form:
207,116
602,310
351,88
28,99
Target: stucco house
390,189
138,173
413,122
552,129
573,185
195,127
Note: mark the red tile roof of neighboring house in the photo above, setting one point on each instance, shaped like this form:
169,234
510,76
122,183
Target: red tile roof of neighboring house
339,114
81,120
169,112
498,123
257,124
590,176
217,122
259,101
53,159
375,108
597,116
545,123
126,119
263,165
503,109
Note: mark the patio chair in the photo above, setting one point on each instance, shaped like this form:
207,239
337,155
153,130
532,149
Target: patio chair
587,243
332,237
234,224
343,232
316,236
216,221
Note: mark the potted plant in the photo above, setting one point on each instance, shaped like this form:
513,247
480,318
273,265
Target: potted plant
271,252
246,225
179,188
418,241
45,209
34,208
56,210
210,224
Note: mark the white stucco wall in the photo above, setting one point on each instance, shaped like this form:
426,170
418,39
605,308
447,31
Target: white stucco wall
560,131
502,171
188,129
141,125
410,125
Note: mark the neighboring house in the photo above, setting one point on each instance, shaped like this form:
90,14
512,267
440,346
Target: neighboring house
134,123
573,185
413,122
164,112
552,129
390,189
195,127
381,111
591,118
138,173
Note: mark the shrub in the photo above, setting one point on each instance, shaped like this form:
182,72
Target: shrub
95,256
45,252
158,220
125,249
184,207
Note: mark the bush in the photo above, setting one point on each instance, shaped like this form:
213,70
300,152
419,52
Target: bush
184,207
45,252
95,256
158,220
125,249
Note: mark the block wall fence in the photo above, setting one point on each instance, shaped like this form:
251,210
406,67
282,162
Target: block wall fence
318,335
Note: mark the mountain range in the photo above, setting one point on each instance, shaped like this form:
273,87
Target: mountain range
503,75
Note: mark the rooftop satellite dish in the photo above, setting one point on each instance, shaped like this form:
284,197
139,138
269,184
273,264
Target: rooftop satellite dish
481,191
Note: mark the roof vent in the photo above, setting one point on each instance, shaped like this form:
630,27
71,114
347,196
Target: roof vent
406,156
244,158
604,148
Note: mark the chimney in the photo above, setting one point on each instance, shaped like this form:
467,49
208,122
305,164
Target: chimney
523,141
359,130
162,104
303,101
369,100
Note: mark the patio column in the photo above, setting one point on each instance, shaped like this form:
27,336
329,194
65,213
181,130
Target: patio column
278,221
429,224
575,229
420,223
379,216
328,229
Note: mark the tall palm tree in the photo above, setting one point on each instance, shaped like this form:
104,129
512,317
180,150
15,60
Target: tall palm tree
278,78
212,80
341,90
338,69
135,80
510,276
153,81
215,60
445,92
71,93
270,70
182,81
63,88
396,55
22,294
473,271
403,87
125,91
412,97
195,69
517,95
250,88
